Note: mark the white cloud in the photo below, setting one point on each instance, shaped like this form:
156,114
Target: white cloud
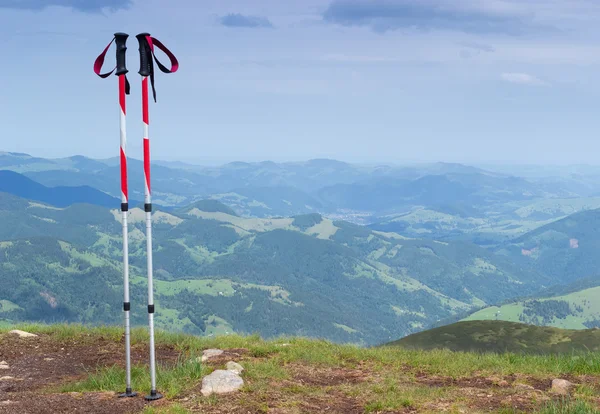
522,79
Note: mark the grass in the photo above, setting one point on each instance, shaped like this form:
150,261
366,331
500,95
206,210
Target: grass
171,382
172,409
388,375
568,406
328,354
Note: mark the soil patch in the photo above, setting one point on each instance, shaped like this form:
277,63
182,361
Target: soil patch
323,377
37,364
92,403
233,354
41,362
494,402
464,382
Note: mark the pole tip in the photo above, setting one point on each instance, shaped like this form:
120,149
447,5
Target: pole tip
153,396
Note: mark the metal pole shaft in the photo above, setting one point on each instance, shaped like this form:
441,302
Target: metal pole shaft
124,210
148,210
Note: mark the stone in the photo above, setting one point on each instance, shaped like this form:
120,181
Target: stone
524,386
221,382
234,367
210,353
4,365
22,334
48,359
561,386
6,378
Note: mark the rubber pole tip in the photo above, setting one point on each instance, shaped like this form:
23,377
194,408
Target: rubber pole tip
153,396
128,393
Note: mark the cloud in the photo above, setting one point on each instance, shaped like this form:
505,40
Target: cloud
239,20
470,16
80,5
480,47
522,79
473,49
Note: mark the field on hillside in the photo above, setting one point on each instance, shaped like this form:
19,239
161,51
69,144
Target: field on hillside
576,310
71,368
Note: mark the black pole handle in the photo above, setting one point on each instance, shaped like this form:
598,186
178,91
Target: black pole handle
120,40
145,55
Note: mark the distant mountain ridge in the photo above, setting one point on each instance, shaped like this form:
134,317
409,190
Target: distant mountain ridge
21,186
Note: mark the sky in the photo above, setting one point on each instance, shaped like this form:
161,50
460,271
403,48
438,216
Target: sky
286,80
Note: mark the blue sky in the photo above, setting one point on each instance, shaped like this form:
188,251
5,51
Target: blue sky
357,80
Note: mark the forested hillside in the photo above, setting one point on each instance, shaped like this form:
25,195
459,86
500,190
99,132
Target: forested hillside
217,272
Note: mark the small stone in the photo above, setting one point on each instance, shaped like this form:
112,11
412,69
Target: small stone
48,359
210,353
502,383
221,382
561,386
524,386
6,402
6,378
22,334
234,367
4,365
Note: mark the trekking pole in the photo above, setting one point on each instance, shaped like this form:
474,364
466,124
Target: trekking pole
121,71
146,49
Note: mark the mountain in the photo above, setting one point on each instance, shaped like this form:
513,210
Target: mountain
463,194
565,250
21,186
501,336
218,272
439,201
269,201
575,307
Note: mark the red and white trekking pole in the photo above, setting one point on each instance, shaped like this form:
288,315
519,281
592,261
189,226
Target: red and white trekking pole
147,58
121,71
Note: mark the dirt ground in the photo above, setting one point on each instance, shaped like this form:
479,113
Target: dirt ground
38,366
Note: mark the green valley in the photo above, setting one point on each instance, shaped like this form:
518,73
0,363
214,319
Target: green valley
219,272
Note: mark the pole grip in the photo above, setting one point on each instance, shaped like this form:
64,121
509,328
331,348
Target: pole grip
120,40
145,54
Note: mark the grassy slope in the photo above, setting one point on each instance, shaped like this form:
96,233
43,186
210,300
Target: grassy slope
583,304
308,375
501,336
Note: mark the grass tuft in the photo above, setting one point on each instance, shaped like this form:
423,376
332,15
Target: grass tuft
171,381
568,406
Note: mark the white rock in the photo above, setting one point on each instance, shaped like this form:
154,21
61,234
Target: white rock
234,367
221,382
561,386
22,334
210,353
4,365
6,378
